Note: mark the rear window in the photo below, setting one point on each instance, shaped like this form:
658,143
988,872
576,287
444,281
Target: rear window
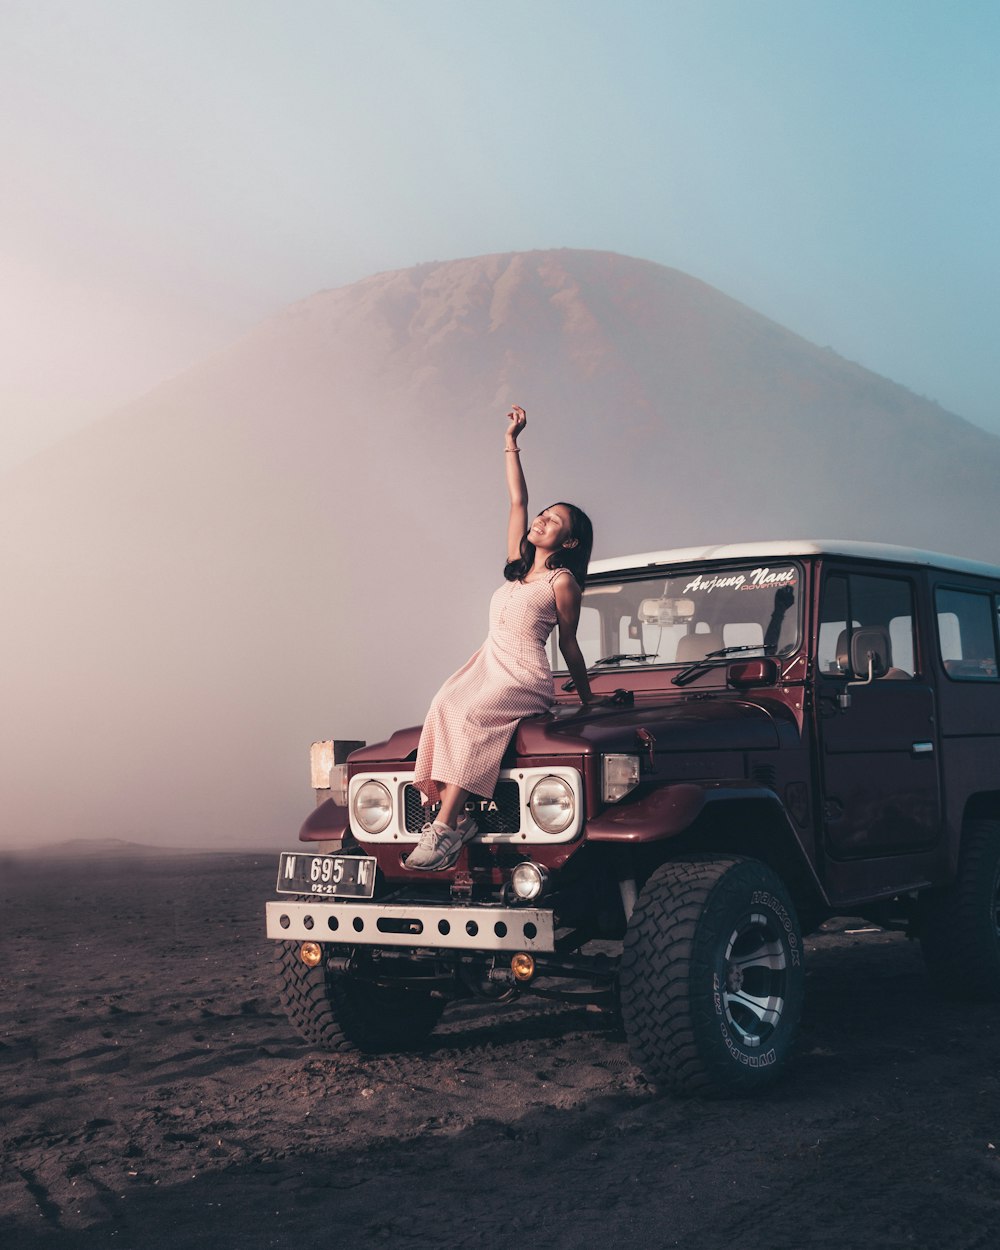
966,634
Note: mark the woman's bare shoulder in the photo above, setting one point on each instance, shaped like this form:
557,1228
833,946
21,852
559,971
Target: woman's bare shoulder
565,587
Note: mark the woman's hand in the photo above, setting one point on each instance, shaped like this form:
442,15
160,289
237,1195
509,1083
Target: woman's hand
517,419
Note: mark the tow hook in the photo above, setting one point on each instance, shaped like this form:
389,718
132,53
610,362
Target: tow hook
461,887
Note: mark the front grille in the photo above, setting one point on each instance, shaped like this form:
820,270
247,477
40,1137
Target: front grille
501,814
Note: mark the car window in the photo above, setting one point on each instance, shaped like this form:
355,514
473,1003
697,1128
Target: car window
966,637
869,601
833,627
664,619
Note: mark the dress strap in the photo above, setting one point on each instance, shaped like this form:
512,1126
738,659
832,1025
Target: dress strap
555,573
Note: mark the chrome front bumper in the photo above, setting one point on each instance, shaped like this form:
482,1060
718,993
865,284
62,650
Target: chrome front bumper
451,927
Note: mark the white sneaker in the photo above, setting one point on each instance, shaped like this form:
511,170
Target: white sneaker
426,844
439,845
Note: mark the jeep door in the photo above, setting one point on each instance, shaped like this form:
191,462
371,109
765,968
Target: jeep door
877,755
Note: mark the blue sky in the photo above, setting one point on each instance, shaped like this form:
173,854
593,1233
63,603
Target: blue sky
175,171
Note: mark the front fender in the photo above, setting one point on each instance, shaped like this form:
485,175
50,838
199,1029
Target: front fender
669,810
662,813
328,823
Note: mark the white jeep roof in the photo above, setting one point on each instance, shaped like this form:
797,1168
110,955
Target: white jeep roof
796,547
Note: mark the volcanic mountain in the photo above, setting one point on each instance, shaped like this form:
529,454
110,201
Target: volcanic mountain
297,539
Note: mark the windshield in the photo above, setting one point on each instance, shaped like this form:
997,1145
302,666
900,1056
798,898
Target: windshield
681,619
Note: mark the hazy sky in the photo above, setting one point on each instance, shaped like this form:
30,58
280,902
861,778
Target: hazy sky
175,170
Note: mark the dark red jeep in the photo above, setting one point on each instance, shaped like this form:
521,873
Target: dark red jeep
799,730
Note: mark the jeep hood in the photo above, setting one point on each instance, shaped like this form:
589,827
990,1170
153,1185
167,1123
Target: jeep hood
726,724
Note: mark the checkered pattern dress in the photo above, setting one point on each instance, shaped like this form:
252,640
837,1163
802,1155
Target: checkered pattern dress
473,716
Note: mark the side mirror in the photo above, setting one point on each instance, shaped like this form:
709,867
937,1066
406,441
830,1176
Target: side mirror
871,652
871,658
746,673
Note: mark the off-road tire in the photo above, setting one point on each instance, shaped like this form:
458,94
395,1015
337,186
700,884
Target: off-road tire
705,934
338,1012
960,926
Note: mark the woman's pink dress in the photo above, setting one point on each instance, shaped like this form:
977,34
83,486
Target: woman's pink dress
473,716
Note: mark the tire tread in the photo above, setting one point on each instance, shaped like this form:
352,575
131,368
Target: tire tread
958,937
339,1013
665,1023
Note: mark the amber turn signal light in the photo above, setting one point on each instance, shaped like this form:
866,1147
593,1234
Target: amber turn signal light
311,953
523,967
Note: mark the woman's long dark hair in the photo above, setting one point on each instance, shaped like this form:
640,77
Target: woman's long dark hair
575,558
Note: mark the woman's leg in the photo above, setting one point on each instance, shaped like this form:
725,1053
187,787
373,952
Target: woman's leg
452,804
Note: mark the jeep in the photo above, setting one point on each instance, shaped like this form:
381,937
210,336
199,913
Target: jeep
786,732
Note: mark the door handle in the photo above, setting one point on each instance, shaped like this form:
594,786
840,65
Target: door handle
922,748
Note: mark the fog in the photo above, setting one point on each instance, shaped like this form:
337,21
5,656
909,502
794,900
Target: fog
80,344
173,173
297,538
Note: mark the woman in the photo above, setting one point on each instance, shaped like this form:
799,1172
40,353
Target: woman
474,714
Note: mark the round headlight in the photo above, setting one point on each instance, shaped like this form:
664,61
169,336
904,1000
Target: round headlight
552,804
372,807
528,881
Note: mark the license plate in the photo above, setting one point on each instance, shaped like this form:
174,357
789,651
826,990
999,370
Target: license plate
330,876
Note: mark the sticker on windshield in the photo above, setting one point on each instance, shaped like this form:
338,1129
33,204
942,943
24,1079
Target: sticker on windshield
756,579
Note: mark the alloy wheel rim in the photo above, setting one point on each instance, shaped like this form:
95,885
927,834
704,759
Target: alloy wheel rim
755,978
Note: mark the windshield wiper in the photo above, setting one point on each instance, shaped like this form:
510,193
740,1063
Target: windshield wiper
699,666
753,646
614,659
632,655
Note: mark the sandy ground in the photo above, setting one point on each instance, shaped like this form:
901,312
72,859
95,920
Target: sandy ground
154,1096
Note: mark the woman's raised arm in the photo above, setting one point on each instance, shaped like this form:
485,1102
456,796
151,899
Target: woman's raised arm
517,526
